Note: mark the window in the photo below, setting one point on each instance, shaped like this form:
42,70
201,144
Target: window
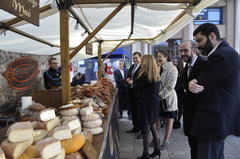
209,15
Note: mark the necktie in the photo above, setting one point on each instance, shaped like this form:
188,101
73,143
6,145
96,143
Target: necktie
161,70
189,70
134,69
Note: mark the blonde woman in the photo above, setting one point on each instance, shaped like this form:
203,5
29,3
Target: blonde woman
147,84
169,75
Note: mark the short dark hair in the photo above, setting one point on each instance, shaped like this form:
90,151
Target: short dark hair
137,53
165,54
206,29
51,59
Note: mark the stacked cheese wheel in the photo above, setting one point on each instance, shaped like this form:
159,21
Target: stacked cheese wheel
19,139
70,117
91,121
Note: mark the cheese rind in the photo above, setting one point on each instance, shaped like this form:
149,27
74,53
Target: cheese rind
14,150
49,147
90,117
92,124
86,111
77,131
70,112
47,114
20,131
94,131
62,132
74,144
49,125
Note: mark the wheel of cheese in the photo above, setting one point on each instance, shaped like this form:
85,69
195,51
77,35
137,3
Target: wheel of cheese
14,150
49,125
39,134
49,147
86,111
94,131
92,124
47,114
20,131
90,117
67,118
30,153
74,144
62,132
69,112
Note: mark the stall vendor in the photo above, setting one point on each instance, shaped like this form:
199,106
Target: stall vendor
51,77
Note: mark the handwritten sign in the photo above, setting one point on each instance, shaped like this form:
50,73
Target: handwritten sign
25,9
89,49
22,73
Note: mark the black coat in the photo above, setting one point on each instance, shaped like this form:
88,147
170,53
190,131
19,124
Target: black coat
190,99
149,100
218,109
134,95
120,81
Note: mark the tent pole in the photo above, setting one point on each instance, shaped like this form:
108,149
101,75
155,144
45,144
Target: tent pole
95,31
64,49
99,60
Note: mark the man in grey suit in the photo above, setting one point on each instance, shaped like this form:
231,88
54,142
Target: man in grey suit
218,90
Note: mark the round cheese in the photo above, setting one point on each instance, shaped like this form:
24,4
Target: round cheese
86,111
94,131
92,124
90,117
70,112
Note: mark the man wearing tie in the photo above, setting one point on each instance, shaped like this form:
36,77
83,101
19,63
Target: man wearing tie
193,68
132,76
120,76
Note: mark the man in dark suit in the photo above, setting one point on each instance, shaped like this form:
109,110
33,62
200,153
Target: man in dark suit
194,65
134,96
218,88
120,76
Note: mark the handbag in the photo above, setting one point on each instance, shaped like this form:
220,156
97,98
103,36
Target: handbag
163,103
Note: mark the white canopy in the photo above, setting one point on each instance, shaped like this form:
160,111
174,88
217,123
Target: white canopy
153,23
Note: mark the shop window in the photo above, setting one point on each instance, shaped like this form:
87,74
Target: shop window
209,15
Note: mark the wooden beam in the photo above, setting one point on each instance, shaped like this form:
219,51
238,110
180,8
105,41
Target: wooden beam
95,31
65,66
16,20
129,1
99,60
28,35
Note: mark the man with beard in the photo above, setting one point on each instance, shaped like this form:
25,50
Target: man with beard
194,65
218,89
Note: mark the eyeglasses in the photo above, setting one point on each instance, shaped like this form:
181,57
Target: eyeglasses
184,50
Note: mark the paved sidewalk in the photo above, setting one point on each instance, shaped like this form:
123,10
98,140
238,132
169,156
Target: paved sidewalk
131,148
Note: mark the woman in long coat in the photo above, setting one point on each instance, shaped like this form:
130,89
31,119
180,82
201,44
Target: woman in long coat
147,84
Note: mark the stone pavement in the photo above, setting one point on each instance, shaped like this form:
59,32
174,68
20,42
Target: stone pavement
131,148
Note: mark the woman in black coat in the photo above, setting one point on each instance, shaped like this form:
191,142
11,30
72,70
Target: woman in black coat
147,84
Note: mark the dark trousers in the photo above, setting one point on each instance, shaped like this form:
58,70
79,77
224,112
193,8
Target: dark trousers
134,111
208,149
193,147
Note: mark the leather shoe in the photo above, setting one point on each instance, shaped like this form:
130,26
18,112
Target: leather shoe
140,136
